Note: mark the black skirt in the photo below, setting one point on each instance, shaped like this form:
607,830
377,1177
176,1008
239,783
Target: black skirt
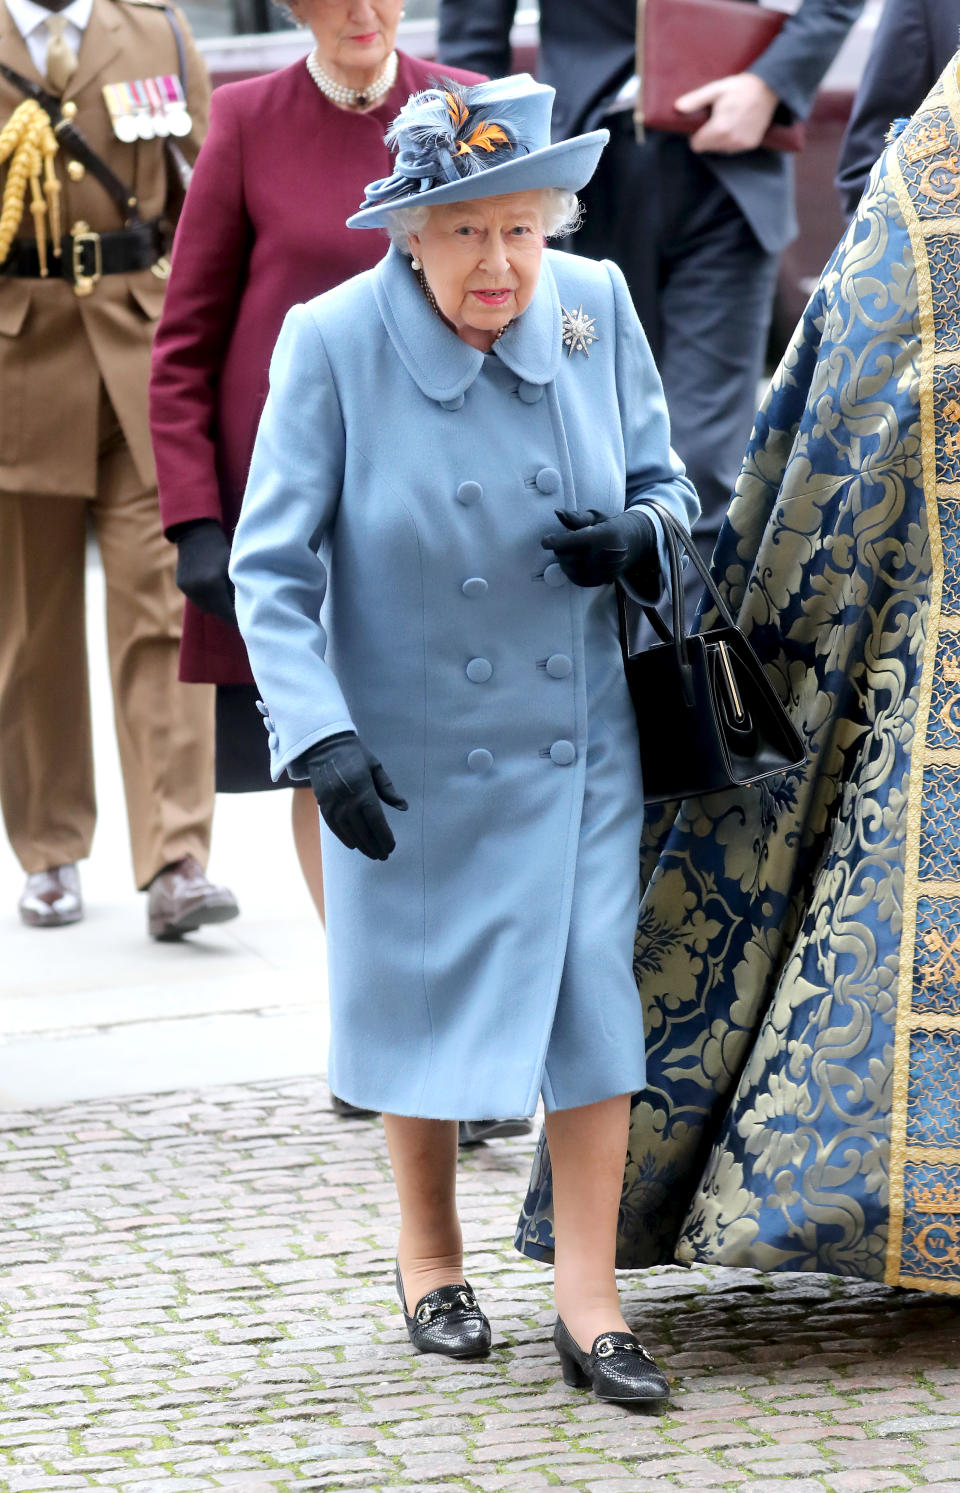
243,755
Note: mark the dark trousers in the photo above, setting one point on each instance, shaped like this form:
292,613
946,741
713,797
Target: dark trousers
703,288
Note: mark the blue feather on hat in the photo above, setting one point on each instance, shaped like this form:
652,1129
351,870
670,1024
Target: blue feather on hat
449,138
441,137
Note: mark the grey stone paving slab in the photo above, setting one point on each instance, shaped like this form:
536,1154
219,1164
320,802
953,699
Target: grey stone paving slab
195,1293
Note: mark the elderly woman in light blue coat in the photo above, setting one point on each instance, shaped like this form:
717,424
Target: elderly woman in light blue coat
452,464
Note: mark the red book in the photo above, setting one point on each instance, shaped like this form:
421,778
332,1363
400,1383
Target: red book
683,44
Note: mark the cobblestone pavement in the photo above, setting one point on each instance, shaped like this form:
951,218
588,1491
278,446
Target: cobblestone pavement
196,1294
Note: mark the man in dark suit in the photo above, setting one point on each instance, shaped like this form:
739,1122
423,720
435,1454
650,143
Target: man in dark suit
915,40
696,225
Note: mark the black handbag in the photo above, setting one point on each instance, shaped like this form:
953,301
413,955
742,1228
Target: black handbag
707,716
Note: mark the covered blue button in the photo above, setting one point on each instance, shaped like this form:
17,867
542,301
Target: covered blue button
475,586
262,708
530,393
480,760
468,493
554,576
456,403
559,665
479,670
273,740
563,753
548,481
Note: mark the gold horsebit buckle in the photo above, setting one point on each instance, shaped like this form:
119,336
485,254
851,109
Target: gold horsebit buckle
606,1348
84,284
426,1312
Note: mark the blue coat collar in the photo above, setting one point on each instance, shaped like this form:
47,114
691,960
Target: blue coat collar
437,360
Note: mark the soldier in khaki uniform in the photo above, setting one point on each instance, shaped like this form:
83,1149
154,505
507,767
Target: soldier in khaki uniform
75,349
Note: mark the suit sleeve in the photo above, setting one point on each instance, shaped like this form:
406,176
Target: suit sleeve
289,510
899,73
209,267
796,61
475,34
654,470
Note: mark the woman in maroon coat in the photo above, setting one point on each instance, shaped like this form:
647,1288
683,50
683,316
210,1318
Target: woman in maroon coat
285,163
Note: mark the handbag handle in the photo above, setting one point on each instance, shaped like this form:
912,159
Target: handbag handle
675,536
679,635
681,538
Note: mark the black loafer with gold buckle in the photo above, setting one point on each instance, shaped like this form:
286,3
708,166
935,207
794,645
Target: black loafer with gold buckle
448,1320
618,1368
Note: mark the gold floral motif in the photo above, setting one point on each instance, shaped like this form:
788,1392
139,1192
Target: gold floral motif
798,949
929,141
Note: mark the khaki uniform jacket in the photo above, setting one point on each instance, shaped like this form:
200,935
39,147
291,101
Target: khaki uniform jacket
56,347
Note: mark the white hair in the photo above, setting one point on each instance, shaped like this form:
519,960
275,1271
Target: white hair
561,215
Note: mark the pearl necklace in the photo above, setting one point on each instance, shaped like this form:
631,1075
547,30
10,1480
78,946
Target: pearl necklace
353,98
432,301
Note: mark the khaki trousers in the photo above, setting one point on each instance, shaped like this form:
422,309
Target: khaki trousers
164,728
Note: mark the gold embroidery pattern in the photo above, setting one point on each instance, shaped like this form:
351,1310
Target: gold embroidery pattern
946,404
924,1243
798,952
937,990
944,726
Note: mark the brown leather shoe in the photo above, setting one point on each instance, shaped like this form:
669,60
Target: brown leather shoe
51,899
180,899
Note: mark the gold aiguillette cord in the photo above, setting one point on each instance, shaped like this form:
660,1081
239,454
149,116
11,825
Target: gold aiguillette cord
27,141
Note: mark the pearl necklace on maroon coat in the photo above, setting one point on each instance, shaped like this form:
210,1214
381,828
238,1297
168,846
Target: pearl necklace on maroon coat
353,98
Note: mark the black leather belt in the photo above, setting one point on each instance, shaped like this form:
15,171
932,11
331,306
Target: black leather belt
85,256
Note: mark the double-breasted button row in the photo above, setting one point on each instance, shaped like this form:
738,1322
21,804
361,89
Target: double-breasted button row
547,481
562,754
558,666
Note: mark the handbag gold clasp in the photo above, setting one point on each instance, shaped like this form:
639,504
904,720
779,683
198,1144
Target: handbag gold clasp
739,713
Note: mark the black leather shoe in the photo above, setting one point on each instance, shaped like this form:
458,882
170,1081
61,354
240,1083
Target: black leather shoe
618,1368
472,1132
447,1321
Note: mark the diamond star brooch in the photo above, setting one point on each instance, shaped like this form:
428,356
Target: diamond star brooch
578,333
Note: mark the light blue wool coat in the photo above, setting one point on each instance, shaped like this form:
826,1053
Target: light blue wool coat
490,958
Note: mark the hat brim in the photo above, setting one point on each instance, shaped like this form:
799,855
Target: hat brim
568,165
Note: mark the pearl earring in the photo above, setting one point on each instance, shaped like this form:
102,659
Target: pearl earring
416,264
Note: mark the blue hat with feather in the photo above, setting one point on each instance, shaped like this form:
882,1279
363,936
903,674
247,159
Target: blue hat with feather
454,143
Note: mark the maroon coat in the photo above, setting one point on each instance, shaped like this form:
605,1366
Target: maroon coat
261,230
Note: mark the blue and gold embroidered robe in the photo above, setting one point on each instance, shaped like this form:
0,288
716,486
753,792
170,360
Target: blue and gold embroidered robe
798,947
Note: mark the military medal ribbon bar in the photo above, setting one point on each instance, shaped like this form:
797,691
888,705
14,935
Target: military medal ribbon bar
120,109
147,108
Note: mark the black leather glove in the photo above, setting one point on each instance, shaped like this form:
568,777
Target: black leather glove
203,554
348,783
596,550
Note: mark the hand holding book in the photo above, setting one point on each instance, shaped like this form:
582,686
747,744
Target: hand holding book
693,63
741,112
